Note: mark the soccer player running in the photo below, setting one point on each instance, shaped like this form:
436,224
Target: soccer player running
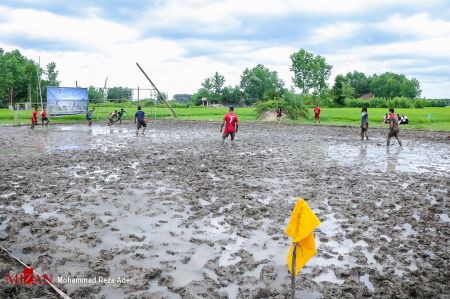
394,130
317,114
230,121
34,117
120,115
139,120
44,117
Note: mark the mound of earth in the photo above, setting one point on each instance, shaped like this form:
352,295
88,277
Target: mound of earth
270,116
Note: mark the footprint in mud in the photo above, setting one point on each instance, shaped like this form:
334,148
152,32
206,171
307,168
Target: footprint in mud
133,238
90,239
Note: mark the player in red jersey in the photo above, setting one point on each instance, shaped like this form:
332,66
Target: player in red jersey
44,117
34,118
230,121
317,114
394,130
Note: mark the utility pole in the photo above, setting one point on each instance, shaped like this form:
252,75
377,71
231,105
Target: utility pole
39,82
160,95
105,93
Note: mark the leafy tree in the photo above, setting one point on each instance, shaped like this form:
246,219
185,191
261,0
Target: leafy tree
207,85
389,85
120,93
212,88
94,94
201,93
217,82
418,90
341,90
18,77
310,72
52,75
259,81
231,95
360,83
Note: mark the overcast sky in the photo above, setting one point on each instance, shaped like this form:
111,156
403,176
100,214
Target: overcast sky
180,43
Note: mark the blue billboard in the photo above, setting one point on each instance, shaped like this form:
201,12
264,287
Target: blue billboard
67,100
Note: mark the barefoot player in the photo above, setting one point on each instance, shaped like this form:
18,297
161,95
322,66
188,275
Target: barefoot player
44,117
140,121
34,118
111,118
279,113
230,121
394,130
317,114
120,115
364,123
89,116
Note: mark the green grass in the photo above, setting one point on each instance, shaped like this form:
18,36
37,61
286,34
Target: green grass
418,118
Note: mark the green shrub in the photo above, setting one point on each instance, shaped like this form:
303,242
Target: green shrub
420,103
291,104
326,101
377,103
436,103
401,102
295,106
270,105
310,100
352,102
371,103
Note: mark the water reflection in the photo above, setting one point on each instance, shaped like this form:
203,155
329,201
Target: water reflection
423,157
392,156
363,153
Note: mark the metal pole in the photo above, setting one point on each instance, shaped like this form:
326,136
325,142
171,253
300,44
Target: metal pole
161,96
61,293
105,93
294,254
39,81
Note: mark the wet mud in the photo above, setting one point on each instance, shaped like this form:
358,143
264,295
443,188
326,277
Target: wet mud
174,214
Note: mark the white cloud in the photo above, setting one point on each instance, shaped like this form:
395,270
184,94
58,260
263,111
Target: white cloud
419,25
418,59
111,49
333,7
210,11
90,32
338,31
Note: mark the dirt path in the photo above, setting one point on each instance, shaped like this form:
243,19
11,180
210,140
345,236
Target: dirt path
181,216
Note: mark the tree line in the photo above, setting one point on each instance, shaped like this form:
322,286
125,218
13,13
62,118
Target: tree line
19,78
310,74
96,95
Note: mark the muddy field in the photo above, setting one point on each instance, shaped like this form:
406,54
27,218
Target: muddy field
174,214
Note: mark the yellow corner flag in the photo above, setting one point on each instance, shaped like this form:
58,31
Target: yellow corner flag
300,229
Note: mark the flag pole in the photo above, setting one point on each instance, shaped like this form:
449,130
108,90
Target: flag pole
294,254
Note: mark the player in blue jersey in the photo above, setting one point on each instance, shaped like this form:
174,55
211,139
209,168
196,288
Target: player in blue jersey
140,121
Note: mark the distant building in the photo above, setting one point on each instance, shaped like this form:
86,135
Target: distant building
367,96
204,101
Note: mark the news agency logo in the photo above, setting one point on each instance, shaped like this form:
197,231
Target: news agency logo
28,277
